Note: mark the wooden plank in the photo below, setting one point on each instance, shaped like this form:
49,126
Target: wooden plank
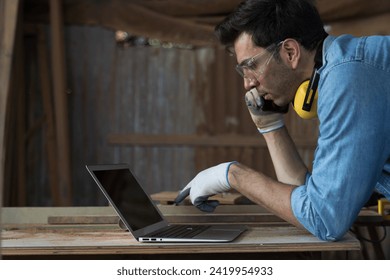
375,25
74,220
47,96
370,217
19,90
248,214
60,101
141,21
8,20
14,157
23,240
258,219
39,215
186,22
225,140
87,241
338,10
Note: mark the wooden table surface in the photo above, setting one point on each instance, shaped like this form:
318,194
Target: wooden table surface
26,231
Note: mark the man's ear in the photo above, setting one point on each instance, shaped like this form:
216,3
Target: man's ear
291,52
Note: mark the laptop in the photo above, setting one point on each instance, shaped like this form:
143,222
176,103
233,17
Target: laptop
142,218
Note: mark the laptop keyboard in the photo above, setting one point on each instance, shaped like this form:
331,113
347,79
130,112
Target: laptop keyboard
179,231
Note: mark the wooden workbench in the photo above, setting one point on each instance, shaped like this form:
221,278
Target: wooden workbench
27,232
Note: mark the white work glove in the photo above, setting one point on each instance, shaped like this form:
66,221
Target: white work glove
266,115
207,183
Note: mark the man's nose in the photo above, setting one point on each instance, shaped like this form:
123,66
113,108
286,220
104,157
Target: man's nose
250,83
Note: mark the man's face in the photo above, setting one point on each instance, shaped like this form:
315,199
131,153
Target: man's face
272,78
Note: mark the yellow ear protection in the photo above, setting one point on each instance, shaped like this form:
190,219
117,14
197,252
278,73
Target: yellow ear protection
305,101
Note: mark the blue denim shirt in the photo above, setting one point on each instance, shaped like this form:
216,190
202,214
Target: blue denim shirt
352,158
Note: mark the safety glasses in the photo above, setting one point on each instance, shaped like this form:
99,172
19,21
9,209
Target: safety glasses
255,66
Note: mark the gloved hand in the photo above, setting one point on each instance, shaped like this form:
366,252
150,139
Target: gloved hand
266,115
207,183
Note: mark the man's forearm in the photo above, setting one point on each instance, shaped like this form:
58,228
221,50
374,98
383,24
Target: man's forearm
263,190
289,167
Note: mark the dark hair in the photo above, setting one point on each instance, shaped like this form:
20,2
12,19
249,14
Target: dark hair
271,21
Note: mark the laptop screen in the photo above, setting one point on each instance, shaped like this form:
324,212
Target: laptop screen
129,197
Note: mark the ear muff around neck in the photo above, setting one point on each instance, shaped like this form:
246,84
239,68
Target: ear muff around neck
305,101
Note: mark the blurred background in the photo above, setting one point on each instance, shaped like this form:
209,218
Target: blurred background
137,82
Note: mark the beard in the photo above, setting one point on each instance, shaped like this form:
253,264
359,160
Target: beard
280,84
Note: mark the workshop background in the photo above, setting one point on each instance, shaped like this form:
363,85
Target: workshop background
142,82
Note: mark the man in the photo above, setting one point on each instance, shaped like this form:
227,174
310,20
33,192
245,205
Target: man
278,45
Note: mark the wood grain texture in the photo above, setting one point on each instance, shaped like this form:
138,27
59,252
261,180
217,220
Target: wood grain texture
34,236
8,21
81,241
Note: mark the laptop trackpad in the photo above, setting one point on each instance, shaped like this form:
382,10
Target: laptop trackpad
228,232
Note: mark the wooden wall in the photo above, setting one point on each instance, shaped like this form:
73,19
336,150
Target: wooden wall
9,20
168,112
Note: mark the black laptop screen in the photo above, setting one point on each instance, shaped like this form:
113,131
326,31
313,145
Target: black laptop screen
129,197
